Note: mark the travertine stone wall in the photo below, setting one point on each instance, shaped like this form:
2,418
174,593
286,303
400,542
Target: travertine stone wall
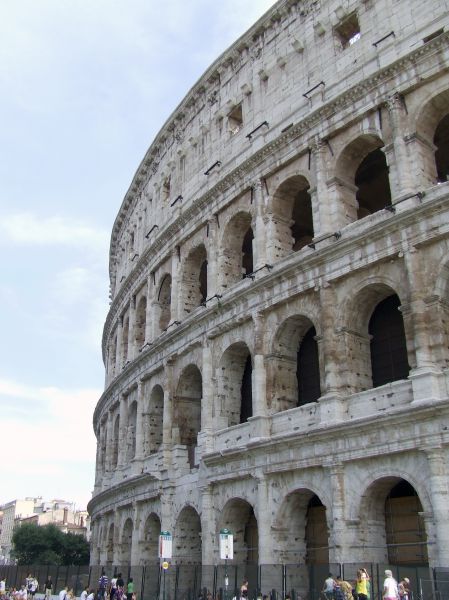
298,185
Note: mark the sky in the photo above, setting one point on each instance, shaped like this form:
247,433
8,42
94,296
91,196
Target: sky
85,87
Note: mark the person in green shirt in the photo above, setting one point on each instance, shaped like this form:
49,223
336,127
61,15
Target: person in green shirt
130,589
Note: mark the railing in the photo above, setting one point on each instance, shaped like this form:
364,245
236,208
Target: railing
195,581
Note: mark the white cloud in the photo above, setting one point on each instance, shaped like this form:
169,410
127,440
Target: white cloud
57,440
29,229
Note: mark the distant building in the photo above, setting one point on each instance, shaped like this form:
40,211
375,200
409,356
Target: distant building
34,510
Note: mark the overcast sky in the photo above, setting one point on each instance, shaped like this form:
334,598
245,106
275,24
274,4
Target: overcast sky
85,87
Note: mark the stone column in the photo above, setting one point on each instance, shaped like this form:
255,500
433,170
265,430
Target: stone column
167,425
212,248
117,548
151,326
209,531
425,375
399,164
135,545
440,501
175,288
122,432
339,551
118,354
260,420
330,358
264,522
140,421
109,441
322,204
207,426
131,330
260,241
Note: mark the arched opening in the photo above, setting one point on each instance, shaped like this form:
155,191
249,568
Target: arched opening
149,554
115,442
441,141
131,432
234,386
317,544
141,317
126,543
187,410
392,529
293,366
153,420
238,516
300,537
187,536
247,253
164,300
430,145
389,360
361,179
194,279
308,369
373,185
405,532
236,256
292,220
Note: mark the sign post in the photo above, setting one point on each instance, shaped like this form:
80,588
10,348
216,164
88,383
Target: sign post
226,553
165,554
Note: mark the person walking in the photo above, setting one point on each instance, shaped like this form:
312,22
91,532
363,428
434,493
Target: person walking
390,588
48,588
404,589
130,589
329,587
361,585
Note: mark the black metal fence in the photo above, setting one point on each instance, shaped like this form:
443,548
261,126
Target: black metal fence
189,582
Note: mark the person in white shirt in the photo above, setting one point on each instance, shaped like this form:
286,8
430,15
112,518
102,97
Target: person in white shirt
63,593
91,596
390,591
84,593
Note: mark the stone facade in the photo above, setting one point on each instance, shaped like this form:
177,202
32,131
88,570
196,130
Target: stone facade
277,343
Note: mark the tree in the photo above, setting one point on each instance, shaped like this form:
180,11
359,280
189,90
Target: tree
43,545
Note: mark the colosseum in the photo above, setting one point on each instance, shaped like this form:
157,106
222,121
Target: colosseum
277,343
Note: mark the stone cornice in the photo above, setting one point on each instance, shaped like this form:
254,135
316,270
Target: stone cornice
128,490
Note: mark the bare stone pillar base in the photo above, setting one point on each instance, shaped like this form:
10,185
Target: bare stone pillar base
428,386
331,408
260,428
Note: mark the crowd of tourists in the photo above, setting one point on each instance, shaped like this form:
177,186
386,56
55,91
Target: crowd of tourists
113,590
336,588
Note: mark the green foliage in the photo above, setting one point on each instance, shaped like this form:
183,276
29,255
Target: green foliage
36,545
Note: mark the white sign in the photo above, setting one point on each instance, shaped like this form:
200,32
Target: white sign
226,545
165,544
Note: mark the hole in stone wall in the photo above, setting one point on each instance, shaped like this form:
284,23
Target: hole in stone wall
348,30
235,119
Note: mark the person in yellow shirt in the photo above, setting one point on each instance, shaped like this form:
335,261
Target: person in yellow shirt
362,585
